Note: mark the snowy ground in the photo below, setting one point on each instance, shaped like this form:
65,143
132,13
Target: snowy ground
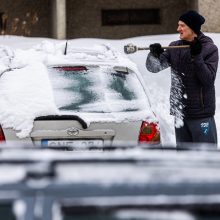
158,84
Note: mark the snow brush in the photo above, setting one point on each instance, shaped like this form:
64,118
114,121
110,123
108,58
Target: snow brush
131,48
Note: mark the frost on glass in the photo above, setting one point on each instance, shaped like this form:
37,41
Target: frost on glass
97,89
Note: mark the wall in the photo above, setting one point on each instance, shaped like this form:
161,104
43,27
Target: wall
19,9
192,4
84,18
210,9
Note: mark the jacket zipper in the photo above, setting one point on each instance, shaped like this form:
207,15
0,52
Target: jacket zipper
201,97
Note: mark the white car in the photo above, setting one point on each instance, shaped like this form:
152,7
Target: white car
101,100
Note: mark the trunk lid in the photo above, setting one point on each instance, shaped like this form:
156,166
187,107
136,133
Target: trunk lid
73,131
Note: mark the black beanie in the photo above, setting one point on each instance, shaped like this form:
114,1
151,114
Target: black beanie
193,19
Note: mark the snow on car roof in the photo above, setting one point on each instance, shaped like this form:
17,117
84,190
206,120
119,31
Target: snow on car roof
99,54
135,160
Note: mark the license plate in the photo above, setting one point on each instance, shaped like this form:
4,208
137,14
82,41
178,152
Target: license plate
72,143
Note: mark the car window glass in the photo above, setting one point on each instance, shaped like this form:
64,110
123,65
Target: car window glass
6,211
118,213
96,89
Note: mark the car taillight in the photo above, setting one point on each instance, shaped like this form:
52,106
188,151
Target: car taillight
149,133
2,136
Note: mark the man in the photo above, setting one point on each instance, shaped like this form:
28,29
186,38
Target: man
193,73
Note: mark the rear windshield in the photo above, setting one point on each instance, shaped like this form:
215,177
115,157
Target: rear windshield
96,89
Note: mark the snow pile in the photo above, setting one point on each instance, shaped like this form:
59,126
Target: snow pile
94,53
97,53
24,97
25,88
18,174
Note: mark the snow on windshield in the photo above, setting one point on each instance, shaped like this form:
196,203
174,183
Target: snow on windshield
26,90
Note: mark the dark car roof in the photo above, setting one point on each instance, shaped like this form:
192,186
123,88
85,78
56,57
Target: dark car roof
122,177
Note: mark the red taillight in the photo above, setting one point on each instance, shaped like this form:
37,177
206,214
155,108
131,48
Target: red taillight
71,68
2,136
149,133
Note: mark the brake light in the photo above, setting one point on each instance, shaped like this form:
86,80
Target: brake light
149,133
2,136
71,68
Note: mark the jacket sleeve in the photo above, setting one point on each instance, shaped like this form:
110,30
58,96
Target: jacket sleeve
155,65
206,68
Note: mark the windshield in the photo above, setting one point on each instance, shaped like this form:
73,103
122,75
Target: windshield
96,89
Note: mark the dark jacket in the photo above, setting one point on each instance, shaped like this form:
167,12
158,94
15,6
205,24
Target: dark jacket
192,92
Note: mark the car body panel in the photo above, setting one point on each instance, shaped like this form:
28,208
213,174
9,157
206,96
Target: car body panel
111,133
88,183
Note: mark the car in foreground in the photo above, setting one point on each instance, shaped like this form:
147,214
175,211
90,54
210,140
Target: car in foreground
101,100
121,184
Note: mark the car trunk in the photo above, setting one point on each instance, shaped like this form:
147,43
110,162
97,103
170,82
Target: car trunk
97,106
72,131
100,94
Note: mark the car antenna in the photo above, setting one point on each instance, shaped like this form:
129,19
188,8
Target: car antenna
65,48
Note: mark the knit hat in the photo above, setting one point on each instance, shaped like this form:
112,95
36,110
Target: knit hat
193,19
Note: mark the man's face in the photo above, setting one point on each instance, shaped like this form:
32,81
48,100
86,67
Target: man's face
186,33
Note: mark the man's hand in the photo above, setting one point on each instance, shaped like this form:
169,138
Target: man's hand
195,47
156,49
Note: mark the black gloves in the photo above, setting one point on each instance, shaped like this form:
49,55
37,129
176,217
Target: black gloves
195,47
156,49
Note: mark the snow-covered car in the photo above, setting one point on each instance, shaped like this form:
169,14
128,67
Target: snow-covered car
101,100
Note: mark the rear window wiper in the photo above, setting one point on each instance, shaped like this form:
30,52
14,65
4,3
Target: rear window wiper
121,69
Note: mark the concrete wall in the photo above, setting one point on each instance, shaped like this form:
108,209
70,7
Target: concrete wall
192,4
19,9
84,18
210,9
